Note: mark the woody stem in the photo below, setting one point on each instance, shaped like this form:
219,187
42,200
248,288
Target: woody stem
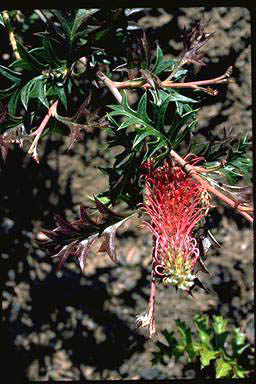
115,85
189,168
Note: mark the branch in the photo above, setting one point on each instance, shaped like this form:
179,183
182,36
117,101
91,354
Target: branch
142,83
210,188
39,131
12,38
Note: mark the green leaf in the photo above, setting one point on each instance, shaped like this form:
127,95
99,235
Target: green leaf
30,90
58,92
7,92
205,333
122,159
13,102
42,92
29,58
22,64
220,339
150,152
81,16
13,76
173,349
206,355
142,106
164,66
238,343
176,96
239,372
159,59
2,20
222,368
219,324
65,20
141,136
179,123
54,60
61,94
186,338
160,110
11,122
180,73
72,21
25,93
124,109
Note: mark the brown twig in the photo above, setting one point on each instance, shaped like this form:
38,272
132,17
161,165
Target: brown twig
12,39
142,83
189,168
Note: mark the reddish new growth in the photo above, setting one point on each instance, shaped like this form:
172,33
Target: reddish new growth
175,203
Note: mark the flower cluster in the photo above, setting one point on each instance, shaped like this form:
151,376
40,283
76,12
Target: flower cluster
176,204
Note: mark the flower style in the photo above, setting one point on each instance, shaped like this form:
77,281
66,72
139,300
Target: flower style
176,204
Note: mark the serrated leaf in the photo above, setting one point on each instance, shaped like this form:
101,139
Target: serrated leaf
141,136
220,340
239,372
130,121
163,66
206,355
183,135
186,338
136,117
159,59
142,106
122,158
177,125
176,96
219,324
238,343
161,110
204,332
125,110
222,368
150,152
13,76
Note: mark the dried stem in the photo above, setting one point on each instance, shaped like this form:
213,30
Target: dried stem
211,189
12,38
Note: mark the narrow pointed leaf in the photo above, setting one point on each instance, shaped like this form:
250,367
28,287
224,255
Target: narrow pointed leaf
13,76
29,58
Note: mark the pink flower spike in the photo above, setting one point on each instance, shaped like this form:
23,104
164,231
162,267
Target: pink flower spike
175,203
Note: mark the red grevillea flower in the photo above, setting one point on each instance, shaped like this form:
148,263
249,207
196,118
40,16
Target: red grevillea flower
175,203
